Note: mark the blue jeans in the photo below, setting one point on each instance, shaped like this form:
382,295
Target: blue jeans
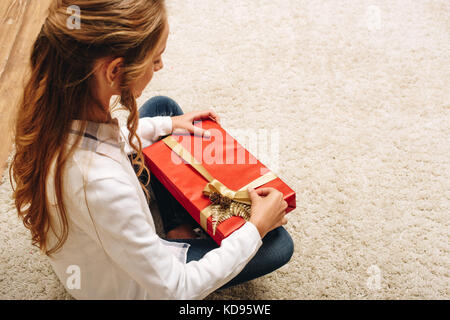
277,247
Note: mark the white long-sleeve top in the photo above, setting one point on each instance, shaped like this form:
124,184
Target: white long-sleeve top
112,250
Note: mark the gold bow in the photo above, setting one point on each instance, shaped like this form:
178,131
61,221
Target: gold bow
225,202
223,208
216,186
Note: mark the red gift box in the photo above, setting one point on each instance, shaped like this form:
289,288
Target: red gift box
223,158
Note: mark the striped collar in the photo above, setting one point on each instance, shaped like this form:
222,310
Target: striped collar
102,138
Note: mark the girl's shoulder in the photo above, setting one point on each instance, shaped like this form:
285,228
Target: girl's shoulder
99,150
97,165
82,168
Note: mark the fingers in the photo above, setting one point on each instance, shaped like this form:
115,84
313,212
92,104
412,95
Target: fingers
282,222
188,119
255,194
215,117
263,192
200,132
252,194
205,114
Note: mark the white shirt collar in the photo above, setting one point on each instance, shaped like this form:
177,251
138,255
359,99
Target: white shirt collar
102,138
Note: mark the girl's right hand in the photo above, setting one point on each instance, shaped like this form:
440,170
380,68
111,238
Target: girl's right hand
268,209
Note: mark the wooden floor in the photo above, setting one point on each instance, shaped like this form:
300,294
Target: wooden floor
20,22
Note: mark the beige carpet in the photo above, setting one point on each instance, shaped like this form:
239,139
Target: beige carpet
355,96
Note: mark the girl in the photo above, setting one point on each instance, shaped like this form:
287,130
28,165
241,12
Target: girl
75,187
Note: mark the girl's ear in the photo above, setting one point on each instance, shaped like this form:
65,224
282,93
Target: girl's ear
114,71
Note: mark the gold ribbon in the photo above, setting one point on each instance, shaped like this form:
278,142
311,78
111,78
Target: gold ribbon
215,186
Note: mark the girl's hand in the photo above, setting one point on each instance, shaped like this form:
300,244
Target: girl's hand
185,122
268,209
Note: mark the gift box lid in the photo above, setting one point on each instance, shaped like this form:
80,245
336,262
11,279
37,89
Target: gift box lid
221,156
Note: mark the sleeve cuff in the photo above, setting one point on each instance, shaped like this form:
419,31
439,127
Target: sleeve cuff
250,233
166,127
254,230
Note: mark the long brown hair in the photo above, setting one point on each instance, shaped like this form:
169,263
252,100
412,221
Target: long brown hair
60,89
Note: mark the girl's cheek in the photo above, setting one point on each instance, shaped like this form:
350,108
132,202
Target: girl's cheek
142,82
147,77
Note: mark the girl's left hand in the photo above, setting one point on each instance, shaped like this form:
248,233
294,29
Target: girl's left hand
185,121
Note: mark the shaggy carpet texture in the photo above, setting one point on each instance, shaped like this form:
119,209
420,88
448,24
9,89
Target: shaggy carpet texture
350,103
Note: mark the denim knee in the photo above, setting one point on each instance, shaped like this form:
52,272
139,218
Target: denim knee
282,247
160,106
